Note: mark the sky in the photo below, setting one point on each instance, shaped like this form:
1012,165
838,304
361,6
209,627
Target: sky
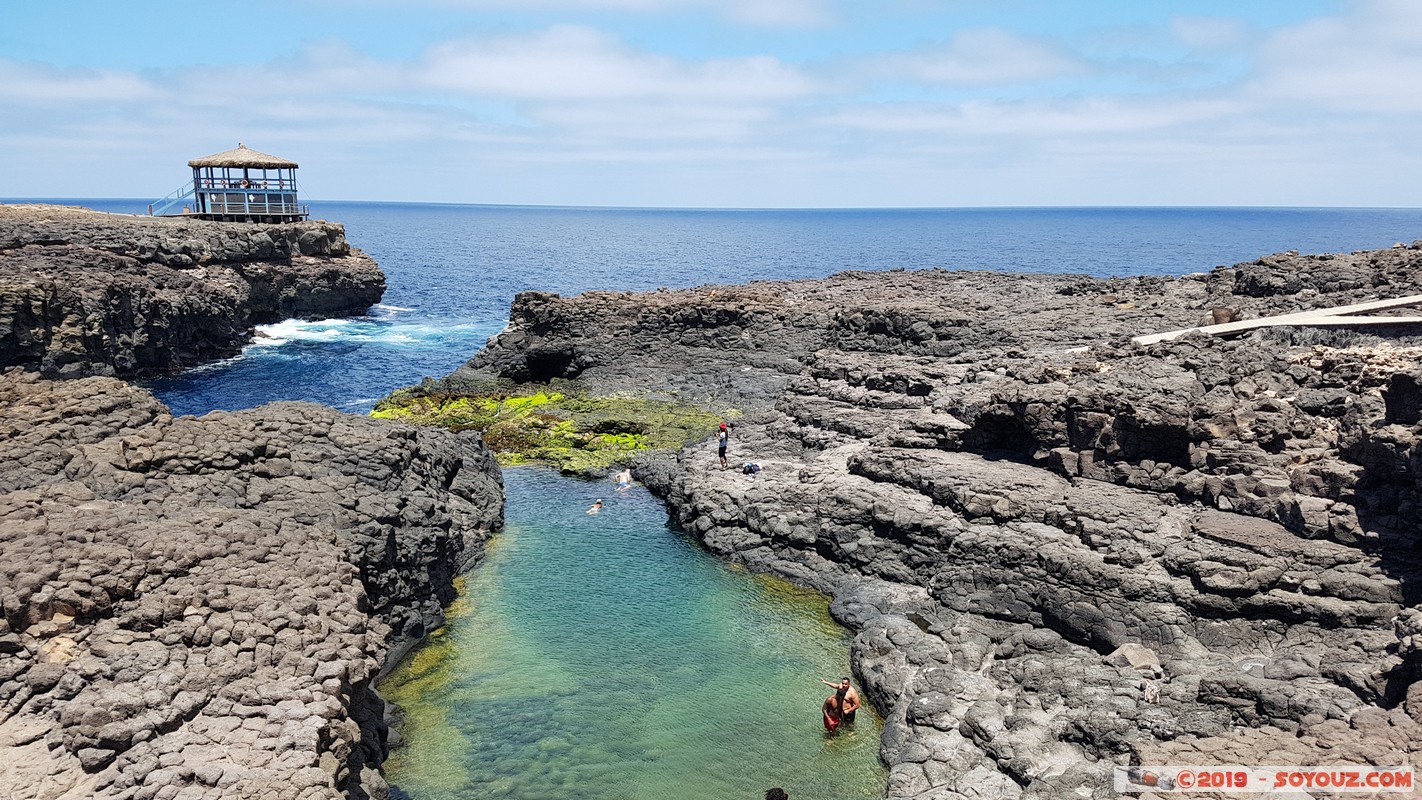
726,103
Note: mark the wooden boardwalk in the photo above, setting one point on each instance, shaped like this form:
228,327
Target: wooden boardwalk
1337,317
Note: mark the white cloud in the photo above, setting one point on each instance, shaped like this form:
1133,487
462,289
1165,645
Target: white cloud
561,88
778,13
579,63
765,13
1210,33
35,84
979,57
655,122
1038,120
572,113
1365,61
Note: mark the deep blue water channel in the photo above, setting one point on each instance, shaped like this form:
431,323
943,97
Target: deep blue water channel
608,657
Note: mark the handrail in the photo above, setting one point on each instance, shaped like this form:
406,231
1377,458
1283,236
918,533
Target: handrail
251,201
1337,316
160,207
244,184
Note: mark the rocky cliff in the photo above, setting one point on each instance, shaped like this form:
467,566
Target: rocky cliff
85,293
1061,551
199,607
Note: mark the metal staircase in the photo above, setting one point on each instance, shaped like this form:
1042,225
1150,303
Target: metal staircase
160,208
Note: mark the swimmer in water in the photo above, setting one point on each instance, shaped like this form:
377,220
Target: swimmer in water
833,711
596,507
624,479
850,702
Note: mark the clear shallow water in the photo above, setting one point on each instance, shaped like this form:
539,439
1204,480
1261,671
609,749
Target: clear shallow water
609,657
453,270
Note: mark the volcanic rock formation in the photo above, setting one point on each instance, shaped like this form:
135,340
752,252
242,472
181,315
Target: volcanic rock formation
1061,551
199,607
86,293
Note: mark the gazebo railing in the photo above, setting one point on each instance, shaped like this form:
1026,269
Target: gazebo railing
207,182
236,194
234,202
257,203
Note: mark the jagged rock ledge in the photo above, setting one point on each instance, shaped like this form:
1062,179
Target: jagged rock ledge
200,607
88,293
1061,551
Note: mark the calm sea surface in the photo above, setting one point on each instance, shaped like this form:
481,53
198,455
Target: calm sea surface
453,270
607,656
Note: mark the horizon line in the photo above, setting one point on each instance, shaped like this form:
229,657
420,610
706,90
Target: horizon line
568,206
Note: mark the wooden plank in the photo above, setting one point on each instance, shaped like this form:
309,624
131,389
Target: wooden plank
1324,317
1344,322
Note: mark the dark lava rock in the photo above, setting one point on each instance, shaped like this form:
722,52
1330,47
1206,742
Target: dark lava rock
1061,551
200,607
86,293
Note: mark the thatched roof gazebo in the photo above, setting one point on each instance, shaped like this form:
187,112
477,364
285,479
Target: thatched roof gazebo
242,157
239,185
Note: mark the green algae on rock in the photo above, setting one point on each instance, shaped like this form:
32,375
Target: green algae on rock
562,426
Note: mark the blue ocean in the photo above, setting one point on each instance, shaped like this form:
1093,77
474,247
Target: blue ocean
453,270
608,656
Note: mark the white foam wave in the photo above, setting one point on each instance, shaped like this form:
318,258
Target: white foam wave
358,404
386,308
357,330
296,330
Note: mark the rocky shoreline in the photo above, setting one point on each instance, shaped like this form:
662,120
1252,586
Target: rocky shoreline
200,607
88,293
1061,551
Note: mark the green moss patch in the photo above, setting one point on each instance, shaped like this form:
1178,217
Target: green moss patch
553,425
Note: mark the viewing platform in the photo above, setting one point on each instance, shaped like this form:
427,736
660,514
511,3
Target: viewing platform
239,185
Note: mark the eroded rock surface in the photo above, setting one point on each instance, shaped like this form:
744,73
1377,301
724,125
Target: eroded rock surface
198,607
1061,551
86,293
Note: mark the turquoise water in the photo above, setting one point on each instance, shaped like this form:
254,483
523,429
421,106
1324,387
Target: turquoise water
608,656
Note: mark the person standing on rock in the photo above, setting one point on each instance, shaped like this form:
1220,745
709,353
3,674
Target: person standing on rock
851,702
722,439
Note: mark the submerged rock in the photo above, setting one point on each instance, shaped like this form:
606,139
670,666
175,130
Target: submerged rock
204,604
1061,551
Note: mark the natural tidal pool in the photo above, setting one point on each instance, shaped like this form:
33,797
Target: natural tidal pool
608,656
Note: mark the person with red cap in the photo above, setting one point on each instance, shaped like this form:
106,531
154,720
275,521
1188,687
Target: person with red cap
722,437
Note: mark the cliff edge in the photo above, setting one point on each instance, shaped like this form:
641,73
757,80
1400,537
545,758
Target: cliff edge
200,607
204,604
88,293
